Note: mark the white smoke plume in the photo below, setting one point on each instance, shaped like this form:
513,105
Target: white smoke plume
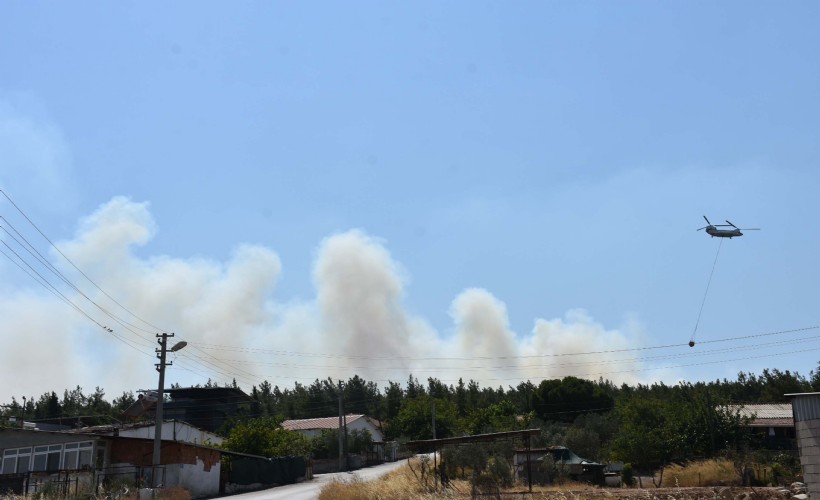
236,327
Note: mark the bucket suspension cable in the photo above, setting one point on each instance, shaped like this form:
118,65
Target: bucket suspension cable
709,282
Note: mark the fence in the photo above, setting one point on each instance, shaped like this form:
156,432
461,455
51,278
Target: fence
59,484
72,483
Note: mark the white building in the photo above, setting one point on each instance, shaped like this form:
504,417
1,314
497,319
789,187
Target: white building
312,427
172,430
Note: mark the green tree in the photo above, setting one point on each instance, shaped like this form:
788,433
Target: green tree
644,438
266,399
326,444
498,417
461,397
118,405
689,424
565,399
590,434
814,378
97,405
48,406
393,396
777,384
362,397
74,402
414,388
414,420
264,436
322,399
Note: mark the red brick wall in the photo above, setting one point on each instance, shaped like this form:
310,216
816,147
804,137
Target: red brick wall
141,452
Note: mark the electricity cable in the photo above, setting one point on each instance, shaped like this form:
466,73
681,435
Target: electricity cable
709,282
74,265
471,358
39,257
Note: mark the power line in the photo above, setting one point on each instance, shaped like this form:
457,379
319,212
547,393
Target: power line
472,358
39,257
74,265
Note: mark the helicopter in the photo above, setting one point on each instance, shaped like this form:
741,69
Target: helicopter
713,230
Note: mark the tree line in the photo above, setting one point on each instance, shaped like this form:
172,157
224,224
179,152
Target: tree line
646,424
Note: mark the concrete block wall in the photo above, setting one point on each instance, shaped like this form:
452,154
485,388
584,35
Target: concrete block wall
808,442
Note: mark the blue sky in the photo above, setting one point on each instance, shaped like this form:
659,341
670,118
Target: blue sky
351,183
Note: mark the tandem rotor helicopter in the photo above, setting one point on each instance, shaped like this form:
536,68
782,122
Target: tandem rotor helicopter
713,230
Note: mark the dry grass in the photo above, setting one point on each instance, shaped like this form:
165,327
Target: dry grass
401,484
680,483
703,473
174,493
404,484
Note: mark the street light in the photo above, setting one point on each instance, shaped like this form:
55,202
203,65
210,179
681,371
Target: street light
161,352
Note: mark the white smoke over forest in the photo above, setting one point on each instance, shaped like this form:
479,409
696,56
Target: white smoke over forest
238,327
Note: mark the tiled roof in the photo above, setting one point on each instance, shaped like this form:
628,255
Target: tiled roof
767,415
321,423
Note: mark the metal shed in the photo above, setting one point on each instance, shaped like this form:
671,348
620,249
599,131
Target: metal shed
806,411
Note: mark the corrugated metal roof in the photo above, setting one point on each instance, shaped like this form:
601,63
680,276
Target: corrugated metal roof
766,415
806,406
770,410
306,424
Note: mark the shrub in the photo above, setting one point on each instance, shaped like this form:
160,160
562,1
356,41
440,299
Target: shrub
628,475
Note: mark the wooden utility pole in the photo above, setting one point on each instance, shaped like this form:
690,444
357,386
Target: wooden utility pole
341,435
433,413
161,352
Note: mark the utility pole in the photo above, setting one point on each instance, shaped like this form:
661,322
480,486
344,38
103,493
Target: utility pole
161,352
433,412
155,463
341,436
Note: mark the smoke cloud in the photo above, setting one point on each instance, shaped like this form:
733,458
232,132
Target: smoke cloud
237,328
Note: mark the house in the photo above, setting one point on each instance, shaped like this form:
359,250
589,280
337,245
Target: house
206,407
85,459
772,422
312,427
562,458
380,452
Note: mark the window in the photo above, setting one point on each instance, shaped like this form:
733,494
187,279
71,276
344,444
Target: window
54,452
23,459
78,455
70,455
40,456
9,462
86,455
47,458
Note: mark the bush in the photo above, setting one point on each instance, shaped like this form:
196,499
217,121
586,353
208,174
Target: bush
628,475
500,471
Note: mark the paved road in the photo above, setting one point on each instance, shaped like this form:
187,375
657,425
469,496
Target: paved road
309,490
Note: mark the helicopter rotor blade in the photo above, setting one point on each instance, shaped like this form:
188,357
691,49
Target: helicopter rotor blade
707,220
731,224
750,229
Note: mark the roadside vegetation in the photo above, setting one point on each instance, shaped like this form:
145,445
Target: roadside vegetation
657,430
702,479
